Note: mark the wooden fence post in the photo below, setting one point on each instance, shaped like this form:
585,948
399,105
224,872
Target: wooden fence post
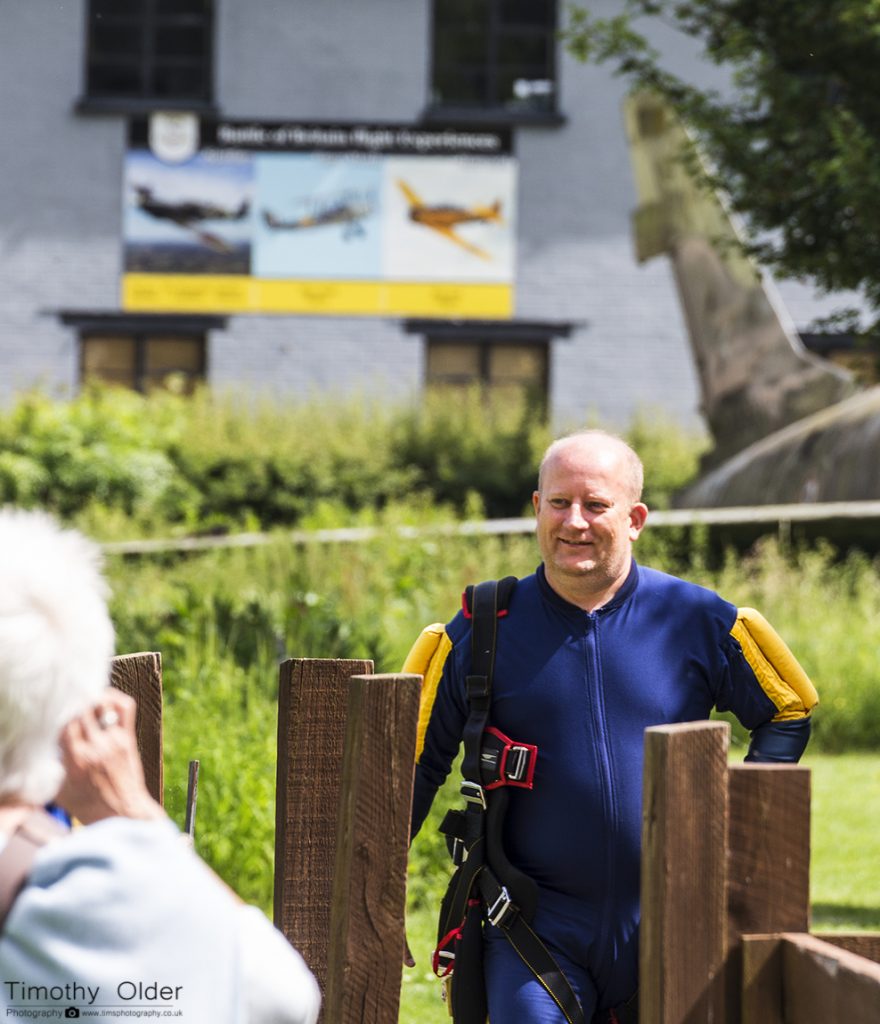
140,676
761,958
768,860
684,874
367,928
312,710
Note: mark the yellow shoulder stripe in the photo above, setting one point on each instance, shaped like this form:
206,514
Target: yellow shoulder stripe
426,658
777,669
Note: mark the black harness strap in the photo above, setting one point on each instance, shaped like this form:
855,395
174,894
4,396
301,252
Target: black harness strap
474,836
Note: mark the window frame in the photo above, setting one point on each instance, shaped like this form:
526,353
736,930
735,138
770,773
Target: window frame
491,333
140,329
149,23
492,109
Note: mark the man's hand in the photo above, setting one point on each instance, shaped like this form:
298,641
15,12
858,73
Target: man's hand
104,774
408,960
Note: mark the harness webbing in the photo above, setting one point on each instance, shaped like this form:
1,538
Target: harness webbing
509,896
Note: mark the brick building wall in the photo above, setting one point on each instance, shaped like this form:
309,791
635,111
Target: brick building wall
61,203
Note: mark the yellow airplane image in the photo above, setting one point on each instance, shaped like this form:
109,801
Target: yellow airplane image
445,219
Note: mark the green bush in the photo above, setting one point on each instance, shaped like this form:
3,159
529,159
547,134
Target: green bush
122,465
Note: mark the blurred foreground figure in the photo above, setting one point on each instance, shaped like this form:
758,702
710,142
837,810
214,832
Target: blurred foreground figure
118,916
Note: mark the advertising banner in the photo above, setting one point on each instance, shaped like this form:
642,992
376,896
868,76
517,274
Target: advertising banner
332,219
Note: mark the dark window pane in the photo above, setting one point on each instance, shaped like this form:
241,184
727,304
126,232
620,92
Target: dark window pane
117,40
180,42
540,13
107,79
165,46
522,49
179,81
456,85
466,15
202,8
117,9
455,47
509,62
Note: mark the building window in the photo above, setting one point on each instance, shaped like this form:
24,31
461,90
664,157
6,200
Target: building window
143,361
498,367
148,53
494,58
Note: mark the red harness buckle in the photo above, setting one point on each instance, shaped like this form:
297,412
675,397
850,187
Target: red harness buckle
503,762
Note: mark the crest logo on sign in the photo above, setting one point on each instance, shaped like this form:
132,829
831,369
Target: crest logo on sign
173,136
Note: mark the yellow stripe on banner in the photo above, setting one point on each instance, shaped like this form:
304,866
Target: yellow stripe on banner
230,293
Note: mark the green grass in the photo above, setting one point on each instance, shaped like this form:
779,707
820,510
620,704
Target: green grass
845,872
845,875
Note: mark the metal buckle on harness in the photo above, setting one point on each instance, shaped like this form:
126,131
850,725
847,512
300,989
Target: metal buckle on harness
506,763
517,762
503,905
473,793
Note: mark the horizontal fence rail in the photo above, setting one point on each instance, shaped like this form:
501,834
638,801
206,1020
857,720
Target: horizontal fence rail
780,516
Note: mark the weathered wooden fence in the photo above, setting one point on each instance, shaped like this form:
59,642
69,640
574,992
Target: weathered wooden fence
346,747
725,871
725,895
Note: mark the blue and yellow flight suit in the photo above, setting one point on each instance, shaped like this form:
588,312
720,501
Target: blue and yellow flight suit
583,686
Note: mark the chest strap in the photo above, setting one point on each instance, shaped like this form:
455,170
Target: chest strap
486,886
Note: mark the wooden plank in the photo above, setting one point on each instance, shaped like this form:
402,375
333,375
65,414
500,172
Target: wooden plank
140,676
822,983
683,937
761,1001
312,708
367,932
768,865
866,944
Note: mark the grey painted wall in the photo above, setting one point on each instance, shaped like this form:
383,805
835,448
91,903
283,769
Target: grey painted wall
60,211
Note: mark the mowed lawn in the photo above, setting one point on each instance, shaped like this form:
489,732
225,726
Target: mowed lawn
845,872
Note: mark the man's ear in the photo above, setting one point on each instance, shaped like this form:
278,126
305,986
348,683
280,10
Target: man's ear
536,501
638,516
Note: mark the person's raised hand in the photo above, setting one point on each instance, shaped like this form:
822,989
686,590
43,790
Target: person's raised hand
104,777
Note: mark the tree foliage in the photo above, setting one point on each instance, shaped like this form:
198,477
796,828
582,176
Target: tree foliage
795,142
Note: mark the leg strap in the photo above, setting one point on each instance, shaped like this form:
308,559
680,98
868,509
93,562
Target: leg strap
502,912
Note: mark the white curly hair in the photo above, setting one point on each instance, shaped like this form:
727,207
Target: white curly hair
56,642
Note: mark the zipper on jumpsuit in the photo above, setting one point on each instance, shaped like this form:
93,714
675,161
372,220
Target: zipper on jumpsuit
593,673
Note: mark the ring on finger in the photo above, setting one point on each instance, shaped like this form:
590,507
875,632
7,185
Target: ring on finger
108,718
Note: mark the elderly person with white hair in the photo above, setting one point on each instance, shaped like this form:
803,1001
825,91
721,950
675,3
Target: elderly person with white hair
117,915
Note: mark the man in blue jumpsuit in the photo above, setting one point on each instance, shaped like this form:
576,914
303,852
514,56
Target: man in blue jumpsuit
594,649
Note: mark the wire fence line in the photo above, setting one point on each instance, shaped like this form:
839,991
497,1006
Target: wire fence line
782,516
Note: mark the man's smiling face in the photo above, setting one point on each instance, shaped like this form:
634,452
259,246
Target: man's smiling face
587,515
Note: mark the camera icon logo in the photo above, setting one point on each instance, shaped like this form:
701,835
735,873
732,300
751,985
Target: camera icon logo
71,1011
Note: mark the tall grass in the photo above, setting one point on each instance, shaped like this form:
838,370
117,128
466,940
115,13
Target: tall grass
223,620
